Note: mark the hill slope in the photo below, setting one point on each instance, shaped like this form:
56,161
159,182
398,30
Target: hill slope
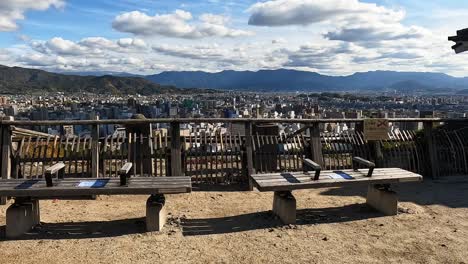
22,80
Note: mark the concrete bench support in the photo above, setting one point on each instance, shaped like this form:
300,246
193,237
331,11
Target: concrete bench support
284,206
382,199
21,217
155,213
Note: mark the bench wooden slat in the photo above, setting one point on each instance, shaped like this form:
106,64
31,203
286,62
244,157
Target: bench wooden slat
69,187
299,180
327,176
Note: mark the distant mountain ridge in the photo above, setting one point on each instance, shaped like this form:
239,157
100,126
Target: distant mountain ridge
292,80
23,80
17,80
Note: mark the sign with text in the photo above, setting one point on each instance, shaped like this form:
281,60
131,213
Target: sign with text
376,129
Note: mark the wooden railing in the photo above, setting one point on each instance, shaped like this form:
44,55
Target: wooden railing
224,158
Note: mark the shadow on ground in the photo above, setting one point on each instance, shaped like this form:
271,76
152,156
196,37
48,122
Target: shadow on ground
219,187
452,193
81,230
266,220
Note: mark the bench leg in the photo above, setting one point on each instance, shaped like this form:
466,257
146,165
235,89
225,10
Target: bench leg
382,199
36,212
21,217
284,206
155,213
3,200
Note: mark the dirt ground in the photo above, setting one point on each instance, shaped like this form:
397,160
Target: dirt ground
334,226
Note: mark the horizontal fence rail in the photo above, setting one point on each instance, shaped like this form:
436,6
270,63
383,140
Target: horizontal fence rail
227,157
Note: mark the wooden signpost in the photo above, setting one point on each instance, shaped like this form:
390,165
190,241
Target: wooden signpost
375,129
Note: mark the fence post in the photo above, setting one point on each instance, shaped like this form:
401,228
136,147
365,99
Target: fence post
316,144
377,153
176,158
432,166
6,153
142,150
248,164
95,149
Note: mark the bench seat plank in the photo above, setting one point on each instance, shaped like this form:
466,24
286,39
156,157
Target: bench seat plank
110,186
300,180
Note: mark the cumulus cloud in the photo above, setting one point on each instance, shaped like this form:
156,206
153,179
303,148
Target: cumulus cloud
87,46
353,21
306,12
367,33
214,53
178,25
11,11
319,57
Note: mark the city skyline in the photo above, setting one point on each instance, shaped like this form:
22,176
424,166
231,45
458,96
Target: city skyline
330,37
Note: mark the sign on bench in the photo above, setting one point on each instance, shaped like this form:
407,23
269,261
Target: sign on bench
24,213
379,180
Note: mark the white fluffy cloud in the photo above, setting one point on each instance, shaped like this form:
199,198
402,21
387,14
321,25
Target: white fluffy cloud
13,10
87,46
352,20
305,12
213,53
176,25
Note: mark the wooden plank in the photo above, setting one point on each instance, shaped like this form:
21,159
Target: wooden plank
69,187
249,155
176,162
300,180
432,170
6,149
316,144
95,150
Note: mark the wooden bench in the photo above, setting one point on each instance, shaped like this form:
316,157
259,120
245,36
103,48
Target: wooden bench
379,180
24,214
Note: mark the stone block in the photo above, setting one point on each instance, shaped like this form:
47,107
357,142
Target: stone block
155,213
382,199
284,206
20,219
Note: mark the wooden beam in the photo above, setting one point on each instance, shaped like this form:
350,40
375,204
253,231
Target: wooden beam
316,144
176,159
95,150
432,164
249,169
6,150
6,154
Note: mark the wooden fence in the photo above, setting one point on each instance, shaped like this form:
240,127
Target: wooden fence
227,158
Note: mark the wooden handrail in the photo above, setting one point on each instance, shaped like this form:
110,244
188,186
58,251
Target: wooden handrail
309,164
57,168
369,164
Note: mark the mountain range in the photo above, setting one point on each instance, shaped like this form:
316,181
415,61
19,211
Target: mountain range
16,80
292,80
23,80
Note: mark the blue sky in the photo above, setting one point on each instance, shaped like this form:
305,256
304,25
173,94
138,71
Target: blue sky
336,37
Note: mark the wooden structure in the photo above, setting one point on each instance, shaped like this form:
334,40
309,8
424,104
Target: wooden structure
379,180
24,213
225,158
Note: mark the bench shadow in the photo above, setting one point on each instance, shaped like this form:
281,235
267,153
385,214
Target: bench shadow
450,193
267,220
204,187
82,230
